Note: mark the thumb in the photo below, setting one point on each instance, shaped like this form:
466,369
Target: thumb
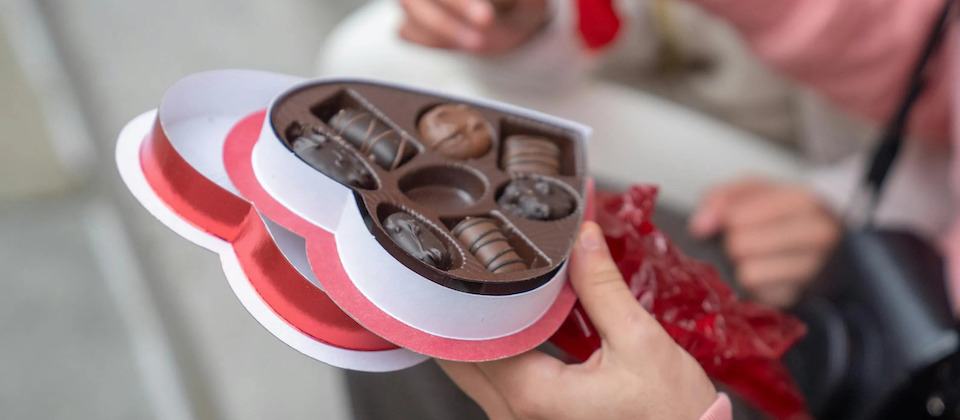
601,289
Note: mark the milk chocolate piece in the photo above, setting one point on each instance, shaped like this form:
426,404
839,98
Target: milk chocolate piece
532,155
483,238
372,137
455,131
417,240
331,159
536,199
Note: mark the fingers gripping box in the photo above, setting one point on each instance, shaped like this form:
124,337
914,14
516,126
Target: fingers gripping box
369,225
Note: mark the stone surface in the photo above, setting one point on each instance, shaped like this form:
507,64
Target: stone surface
28,162
64,352
67,349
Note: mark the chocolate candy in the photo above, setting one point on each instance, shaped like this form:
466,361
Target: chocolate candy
373,138
536,199
530,154
328,157
460,160
483,238
455,131
417,240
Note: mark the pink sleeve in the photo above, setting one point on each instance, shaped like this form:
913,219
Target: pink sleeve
858,53
720,410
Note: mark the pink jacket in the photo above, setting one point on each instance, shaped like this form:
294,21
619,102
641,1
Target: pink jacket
859,54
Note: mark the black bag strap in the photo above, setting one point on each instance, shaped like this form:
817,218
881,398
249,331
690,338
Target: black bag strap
888,146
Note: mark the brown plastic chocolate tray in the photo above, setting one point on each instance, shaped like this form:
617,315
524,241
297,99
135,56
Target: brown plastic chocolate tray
466,188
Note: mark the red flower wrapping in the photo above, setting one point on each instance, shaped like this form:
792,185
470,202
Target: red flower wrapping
737,343
597,23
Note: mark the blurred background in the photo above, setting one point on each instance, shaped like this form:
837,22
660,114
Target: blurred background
105,313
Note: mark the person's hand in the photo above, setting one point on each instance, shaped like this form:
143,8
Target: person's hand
638,373
778,236
487,27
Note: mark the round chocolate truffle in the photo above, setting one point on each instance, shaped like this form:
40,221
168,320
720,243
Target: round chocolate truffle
332,160
536,199
484,239
417,240
455,131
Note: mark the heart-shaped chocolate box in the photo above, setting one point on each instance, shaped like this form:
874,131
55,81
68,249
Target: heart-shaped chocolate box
368,138
353,236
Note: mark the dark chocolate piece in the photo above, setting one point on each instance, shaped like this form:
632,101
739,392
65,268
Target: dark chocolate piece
455,131
483,238
531,154
417,240
330,158
536,199
372,137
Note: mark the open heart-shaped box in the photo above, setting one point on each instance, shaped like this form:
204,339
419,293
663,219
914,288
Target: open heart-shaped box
352,231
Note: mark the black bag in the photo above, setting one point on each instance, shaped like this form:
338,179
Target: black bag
883,343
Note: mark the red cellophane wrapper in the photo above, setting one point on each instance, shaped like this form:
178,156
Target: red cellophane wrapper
737,343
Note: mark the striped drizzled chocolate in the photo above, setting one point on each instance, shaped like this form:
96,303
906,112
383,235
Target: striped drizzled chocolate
484,239
531,155
372,137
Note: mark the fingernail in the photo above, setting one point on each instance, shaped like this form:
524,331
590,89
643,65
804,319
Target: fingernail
591,238
701,223
479,12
